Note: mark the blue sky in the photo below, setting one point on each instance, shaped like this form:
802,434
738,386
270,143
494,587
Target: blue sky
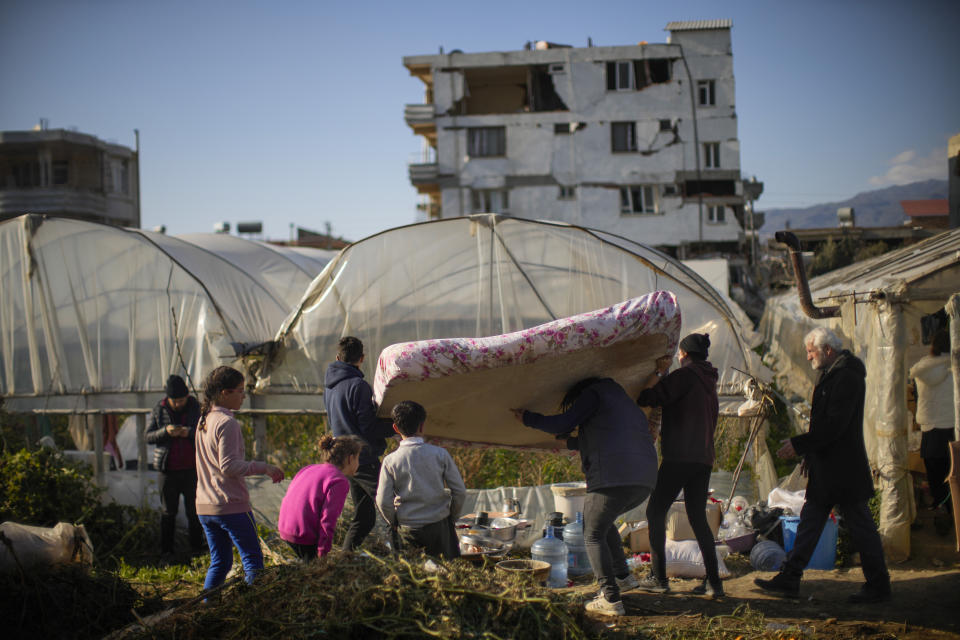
292,112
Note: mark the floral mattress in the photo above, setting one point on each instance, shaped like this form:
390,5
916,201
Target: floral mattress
469,385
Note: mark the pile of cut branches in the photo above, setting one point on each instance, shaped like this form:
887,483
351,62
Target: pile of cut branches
357,595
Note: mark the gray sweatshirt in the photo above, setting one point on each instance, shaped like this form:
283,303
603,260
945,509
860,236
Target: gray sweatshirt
415,475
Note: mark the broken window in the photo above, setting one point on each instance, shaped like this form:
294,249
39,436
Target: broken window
638,199
710,187
489,201
27,174
711,155
623,136
510,89
707,92
567,192
626,75
486,141
666,125
715,214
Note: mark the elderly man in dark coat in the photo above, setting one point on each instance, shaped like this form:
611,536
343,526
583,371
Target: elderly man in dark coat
839,473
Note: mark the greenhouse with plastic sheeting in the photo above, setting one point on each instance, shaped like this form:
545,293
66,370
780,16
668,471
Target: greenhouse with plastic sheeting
482,275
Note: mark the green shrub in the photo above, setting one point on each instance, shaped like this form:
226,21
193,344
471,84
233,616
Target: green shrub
42,488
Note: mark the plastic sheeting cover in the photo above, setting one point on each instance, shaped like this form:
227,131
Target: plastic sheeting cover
94,313
482,276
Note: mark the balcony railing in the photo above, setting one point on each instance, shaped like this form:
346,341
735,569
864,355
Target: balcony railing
423,173
419,116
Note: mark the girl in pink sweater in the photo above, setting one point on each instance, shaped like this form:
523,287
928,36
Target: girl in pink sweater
315,497
223,503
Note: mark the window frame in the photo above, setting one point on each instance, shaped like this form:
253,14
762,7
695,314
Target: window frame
706,98
482,200
481,139
716,214
628,203
567,192
631,136
711,155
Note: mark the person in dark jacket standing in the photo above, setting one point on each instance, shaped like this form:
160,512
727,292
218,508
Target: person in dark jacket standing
688,397
619,461
172,427
839,473
351,412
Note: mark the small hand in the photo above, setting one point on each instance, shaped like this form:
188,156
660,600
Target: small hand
171,429
663,363
518,414
275,473
787,450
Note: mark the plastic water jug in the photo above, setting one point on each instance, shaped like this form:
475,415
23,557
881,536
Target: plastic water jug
578,563
554,552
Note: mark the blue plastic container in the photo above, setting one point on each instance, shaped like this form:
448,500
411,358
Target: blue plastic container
553,552
825,555
578,563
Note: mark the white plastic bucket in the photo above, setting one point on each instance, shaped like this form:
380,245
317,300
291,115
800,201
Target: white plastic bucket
568,498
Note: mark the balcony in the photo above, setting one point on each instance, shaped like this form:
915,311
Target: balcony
113,208
421,118
424,176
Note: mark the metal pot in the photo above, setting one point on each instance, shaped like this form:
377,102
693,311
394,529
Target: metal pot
504,529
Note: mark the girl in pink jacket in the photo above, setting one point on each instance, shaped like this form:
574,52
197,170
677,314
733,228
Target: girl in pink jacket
223,503
315,497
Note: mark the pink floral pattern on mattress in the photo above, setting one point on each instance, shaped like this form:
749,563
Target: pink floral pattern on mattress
656,312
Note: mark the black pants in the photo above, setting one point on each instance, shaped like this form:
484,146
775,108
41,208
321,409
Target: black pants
935,450
863,531
438,539
694,479
363,491
174,484
601,538
305,552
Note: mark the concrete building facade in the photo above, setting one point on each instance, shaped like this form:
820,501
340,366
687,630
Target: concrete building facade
66,173
640,140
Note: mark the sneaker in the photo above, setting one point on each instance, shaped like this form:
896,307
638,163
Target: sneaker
601,605
868,595
780,584
653,584
707,589
628,583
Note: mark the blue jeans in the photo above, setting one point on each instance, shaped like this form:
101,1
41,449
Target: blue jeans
601,538
222,533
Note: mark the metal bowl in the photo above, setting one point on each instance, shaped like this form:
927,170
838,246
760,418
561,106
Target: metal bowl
504,529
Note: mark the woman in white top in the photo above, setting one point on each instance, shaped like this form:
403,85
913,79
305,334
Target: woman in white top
935,407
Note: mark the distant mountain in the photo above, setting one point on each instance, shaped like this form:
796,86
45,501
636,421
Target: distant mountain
880,208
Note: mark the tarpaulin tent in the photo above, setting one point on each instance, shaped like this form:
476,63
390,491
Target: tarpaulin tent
96,316
482,275
881,302
285,270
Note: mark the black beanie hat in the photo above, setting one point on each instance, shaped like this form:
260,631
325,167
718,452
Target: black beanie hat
176,387
696,343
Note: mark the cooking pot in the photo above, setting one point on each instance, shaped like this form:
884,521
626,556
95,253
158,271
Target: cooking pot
504,529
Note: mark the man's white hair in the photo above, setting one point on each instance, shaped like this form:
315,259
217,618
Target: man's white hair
822,337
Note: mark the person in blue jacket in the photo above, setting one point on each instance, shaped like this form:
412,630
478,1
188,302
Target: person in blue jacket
351,412
620,464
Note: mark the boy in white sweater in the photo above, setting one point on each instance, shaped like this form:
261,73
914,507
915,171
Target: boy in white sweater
420,490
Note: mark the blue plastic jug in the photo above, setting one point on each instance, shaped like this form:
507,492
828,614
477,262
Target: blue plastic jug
553,552
578,563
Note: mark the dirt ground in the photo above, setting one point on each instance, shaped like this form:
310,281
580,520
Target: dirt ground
925,602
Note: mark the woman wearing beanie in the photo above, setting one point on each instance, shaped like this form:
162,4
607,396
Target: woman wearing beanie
172,427
688,397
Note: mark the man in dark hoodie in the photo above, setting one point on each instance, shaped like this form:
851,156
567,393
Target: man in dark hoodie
839,473
351,411
690,405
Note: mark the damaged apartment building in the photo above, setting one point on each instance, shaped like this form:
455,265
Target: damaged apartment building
640,141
